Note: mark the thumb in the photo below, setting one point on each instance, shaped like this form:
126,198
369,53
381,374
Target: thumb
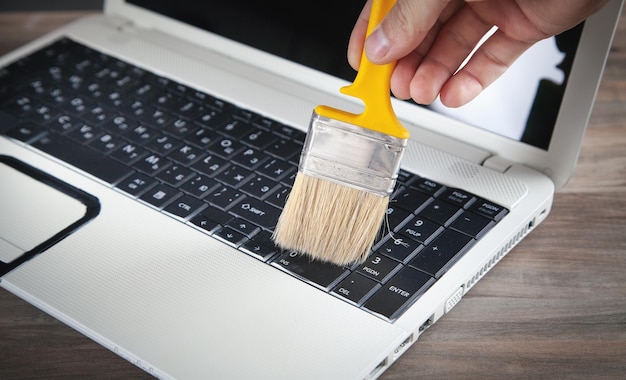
403,29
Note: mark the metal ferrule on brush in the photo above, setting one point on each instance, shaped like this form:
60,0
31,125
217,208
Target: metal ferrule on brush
351,155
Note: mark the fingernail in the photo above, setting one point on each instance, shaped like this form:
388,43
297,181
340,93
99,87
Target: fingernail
376,45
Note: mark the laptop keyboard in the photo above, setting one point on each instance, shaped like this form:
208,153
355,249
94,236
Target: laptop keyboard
224,170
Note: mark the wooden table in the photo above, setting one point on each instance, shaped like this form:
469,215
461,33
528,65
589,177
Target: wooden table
554,308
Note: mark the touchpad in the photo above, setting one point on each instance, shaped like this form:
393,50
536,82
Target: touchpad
36,211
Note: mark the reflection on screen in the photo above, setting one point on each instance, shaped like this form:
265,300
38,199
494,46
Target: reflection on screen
504,106
522,105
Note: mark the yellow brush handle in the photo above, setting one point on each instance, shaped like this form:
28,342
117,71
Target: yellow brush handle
372,86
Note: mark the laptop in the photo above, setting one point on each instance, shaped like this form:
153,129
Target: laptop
146,152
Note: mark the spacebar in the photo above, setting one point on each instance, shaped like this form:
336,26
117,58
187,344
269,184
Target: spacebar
82,157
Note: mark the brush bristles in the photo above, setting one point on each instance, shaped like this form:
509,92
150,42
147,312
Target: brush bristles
329,221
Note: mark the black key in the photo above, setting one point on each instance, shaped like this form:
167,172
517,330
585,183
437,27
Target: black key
377,267
198,96
157,117
85,133
78,105
224,197
136,184
260,187
160,195
399,247
140,134
189,109
315,271
457,197
118,124
257,212
289,179
258,249
152,164
57,96
210,118
265,123
355,287
202,137
210,165
164,100
26,132
226,147
429,187
472,224
404,177
277,169
145,91
199,186
162,144
7,121
129,153
175,174
279,197
244,115
285,149
42,113
394,217
264,238
243,226
83,158
259,138
217,215
234,176
114,99
250,158
106,143
409,199
218,104
184,206
421,229
440,212
230,236
489,209
397,294
210,219
97,115
186,154
436,257
179,127
290,132
21,105
235,128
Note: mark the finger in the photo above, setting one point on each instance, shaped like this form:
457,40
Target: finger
487,64
407,66
357,37
403,29
454,43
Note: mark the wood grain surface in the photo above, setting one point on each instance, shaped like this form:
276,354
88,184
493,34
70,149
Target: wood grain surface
554,308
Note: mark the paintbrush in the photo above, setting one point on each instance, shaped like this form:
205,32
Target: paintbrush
347,170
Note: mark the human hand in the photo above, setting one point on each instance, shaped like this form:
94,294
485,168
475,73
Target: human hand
430,40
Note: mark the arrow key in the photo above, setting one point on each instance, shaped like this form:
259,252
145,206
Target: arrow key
243,226
231,236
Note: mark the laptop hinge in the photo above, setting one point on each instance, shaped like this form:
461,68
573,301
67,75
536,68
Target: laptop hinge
498,163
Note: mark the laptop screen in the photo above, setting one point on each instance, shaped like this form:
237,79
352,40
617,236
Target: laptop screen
522,105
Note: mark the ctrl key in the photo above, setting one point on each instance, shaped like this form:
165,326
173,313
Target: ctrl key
404,287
